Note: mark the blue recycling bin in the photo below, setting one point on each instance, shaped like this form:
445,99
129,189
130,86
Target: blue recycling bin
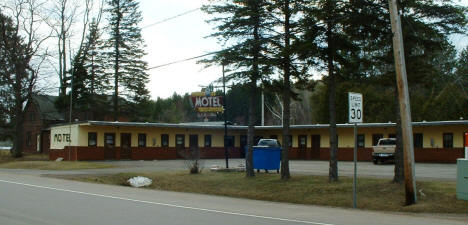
266,158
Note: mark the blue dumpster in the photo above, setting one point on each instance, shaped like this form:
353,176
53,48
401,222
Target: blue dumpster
266,158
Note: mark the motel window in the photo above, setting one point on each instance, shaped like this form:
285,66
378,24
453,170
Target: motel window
418,140
376,138
361,141
164,140
141,140
229,141
180,140
448,140
28,139
243,141
109,139
92,139
302,141
207,140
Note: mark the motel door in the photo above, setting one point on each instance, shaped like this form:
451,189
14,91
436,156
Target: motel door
193,141
125,145
315,146
109,146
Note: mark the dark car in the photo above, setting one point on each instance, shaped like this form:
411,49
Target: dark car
272,143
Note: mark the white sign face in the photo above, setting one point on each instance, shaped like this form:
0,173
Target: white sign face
355,107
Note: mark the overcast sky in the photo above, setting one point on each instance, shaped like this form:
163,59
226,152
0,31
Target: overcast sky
176,39
184,37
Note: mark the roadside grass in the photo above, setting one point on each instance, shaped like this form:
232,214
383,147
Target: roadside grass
41,162
372,194
5,156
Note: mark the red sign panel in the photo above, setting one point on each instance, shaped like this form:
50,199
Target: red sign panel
210,103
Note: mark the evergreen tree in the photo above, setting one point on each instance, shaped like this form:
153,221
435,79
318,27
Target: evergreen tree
328,45
17,79
94,63
245,23
286,14
90,82
124,49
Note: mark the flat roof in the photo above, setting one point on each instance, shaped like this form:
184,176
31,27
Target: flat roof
201,125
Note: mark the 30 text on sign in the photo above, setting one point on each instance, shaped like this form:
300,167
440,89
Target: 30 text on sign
355,107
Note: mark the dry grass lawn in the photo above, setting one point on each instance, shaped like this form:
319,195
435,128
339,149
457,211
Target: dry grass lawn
374,194
41,162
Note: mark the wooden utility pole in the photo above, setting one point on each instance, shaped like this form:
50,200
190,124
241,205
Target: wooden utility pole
403,98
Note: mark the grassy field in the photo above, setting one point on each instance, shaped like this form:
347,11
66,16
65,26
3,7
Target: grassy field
41,162
374,194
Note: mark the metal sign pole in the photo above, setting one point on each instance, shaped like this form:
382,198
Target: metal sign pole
355,165
355,116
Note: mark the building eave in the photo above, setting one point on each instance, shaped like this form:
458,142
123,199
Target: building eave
237,127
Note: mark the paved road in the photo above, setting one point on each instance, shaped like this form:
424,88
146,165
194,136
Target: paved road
26,199
424,171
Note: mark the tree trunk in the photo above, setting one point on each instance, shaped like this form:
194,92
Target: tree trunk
333,170
286,94
249,170
17,150
253,91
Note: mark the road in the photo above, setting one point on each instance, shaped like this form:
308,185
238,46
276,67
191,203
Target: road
27,199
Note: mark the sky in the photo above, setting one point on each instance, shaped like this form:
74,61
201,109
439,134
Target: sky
177,39
185,37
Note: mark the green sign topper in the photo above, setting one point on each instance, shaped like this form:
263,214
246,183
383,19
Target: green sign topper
62,138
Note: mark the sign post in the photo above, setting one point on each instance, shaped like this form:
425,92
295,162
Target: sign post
355,116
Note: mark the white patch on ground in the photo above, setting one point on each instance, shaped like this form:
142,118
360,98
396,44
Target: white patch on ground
139,181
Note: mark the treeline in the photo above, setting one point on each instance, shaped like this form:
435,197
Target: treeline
101,76
280,45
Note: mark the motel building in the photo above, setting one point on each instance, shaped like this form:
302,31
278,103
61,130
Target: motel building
437,141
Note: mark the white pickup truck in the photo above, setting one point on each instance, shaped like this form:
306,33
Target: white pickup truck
384,150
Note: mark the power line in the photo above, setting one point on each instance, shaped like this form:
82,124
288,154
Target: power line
212,53
171,18
182,60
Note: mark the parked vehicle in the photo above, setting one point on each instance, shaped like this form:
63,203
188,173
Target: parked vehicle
269,143
384,150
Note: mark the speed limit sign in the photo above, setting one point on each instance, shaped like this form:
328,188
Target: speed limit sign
355,107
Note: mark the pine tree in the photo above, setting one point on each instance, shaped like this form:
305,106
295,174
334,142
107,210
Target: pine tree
17,79
286,16
124,48
98,82
245,23
361,52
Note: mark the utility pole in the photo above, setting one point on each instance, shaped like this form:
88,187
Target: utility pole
403,98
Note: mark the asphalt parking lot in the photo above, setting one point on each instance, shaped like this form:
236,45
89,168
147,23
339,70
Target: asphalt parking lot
424,171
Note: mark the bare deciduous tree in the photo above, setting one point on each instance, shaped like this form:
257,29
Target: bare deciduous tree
21,49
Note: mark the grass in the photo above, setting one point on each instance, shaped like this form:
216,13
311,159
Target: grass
5,156
41,162
373,194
